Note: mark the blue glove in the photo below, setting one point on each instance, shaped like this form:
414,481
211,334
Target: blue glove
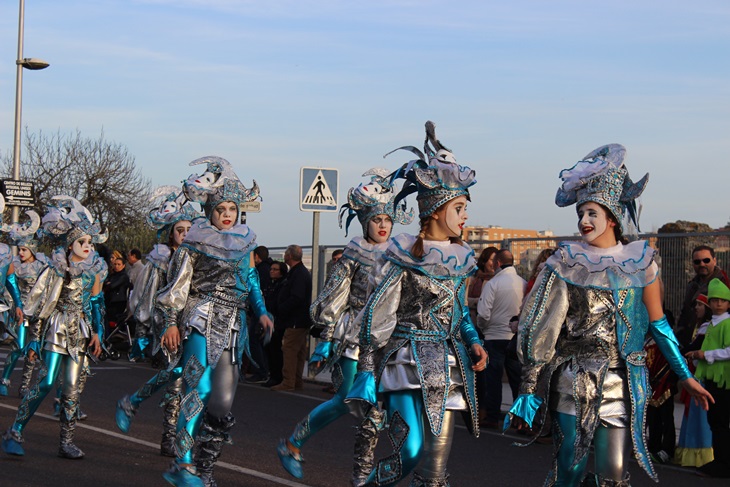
97,315
363,389
525,407
322,352
668,345
12,287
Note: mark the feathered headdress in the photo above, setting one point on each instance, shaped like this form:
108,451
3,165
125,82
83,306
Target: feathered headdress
376,197
602,177
169,206
217,184
67,220
437,181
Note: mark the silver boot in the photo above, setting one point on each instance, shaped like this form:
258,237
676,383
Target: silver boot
214,432
366,439
419,481
68,416
171,403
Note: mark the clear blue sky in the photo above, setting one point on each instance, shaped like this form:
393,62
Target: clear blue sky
519,90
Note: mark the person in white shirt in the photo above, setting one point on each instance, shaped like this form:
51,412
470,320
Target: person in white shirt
500,300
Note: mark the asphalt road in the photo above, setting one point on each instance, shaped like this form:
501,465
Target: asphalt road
115,459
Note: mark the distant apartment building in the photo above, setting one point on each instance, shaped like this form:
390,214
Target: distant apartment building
525,251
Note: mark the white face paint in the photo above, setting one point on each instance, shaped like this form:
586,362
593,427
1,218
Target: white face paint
224,215
169,207
180,231
593,221
205,180
452,217
81,248
379,228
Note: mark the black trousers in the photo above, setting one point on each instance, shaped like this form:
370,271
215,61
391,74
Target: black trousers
660,422
718,418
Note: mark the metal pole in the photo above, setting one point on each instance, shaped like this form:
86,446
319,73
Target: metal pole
315,255
18,105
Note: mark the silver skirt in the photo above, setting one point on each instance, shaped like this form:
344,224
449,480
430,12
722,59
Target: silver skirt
400,373
615,401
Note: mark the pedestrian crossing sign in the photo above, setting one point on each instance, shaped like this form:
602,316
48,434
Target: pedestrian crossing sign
318,189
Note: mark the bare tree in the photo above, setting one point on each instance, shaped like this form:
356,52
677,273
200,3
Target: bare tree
101,174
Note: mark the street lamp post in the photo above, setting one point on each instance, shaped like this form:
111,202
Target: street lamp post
27,63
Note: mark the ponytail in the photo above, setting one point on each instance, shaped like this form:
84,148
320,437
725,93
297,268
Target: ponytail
417,249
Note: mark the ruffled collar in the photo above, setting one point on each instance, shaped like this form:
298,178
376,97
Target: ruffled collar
364,252
618,267
441,259
93,264
34,268
159,256
232,244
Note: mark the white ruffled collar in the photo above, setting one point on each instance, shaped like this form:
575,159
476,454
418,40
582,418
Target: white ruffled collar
160,255
618,267
441,259
232,244
362,251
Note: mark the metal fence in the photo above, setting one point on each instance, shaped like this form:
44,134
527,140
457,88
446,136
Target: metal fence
674,254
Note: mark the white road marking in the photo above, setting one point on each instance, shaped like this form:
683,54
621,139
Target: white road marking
156,446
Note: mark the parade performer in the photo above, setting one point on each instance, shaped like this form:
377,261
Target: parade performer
210,286
418,346
67,298
584,325
26,266
335,310
171,217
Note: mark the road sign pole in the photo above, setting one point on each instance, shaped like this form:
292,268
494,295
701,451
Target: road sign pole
315,254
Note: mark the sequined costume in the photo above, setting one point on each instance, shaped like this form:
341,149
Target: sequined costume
26,274
583,328
62,300
149,326
336,309
210,286
416,334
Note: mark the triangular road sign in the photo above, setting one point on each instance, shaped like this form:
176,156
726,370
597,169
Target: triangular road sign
319,192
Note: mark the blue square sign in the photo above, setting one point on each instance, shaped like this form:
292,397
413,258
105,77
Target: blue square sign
318,189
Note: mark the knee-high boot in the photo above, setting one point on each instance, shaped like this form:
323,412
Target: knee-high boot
28,367
366,438
67,449
214,432
171,403
419,481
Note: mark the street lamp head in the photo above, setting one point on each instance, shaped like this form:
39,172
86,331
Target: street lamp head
32,63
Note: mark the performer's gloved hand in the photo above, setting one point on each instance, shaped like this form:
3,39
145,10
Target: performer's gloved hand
523,411
97,315
322,352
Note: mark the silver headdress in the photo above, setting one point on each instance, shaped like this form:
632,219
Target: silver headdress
376,197
437,181
67,220
169,206
602,177
217,184
22,234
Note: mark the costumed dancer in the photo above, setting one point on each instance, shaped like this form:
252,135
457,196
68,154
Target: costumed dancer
26,266
584,325
210,286
335,310
418,346
67,298
172,219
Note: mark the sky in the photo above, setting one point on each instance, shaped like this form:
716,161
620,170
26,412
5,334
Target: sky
518,90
